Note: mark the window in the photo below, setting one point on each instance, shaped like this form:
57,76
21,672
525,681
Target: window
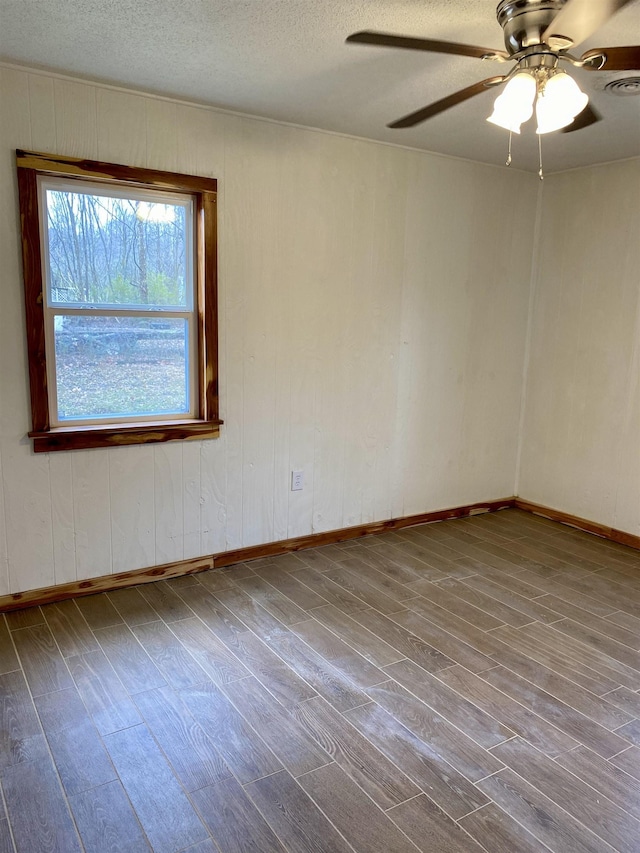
120,287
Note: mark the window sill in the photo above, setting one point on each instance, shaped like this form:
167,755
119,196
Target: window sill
105,435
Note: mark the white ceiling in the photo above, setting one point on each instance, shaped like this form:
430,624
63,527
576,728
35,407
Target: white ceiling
287,60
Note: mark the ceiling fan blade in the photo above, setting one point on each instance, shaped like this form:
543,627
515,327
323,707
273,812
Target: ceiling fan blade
587,117
450,101
578,19
430,45
615,58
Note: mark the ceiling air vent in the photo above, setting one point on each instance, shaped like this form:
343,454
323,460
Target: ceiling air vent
624,86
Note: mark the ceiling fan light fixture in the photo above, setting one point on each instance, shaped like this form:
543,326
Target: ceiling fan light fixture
559,102
515,105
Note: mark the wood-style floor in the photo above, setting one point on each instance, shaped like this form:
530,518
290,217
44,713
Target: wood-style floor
467,686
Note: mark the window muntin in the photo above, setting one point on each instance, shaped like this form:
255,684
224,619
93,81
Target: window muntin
122,346
114,258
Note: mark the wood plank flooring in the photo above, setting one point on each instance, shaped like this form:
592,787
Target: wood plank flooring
459,687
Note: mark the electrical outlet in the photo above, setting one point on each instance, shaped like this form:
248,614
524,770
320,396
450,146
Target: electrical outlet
297,481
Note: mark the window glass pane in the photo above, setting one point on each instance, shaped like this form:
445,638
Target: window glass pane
111,367
117,251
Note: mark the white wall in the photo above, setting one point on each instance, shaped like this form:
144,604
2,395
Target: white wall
373,310
581,437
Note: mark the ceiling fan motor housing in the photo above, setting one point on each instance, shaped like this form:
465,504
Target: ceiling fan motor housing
525,21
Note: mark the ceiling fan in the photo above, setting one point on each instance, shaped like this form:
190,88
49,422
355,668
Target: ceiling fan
538,35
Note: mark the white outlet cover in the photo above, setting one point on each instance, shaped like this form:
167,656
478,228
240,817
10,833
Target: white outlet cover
297,481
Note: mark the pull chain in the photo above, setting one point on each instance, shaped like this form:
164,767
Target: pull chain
540,173
508,163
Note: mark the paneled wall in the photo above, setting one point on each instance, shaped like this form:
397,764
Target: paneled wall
581,437
373,308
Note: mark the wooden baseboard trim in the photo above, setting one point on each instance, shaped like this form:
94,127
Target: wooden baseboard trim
602,530
330,537
106,583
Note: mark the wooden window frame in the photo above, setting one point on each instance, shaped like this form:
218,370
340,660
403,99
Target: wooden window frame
30,165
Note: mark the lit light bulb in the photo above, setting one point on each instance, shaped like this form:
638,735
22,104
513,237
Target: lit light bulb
559,102
515,105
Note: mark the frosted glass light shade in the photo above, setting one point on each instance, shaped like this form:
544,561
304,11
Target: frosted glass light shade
515,105
559,103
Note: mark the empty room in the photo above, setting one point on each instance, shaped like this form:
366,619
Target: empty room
320,426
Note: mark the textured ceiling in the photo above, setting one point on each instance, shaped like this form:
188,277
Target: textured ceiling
287,60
